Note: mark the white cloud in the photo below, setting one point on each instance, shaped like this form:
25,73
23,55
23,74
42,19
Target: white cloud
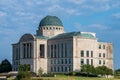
91,27
117,15
2,14
98,26
77,1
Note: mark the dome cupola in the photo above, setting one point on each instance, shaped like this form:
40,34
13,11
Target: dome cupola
50,26
50,21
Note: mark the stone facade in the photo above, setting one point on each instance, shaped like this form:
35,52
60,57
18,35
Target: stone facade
56,51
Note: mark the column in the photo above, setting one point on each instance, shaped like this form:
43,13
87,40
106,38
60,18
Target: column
30,47
58,51
25,50
53,51
49,51
29,50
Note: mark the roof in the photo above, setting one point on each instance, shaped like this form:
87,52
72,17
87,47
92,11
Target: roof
41,37
71,34
50,21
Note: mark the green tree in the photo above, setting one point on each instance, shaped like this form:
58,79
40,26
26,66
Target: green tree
40,71
24,67
88,69
5,66
117,72
23,72
103,71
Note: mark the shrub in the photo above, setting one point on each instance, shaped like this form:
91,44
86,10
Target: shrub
48,75
23,73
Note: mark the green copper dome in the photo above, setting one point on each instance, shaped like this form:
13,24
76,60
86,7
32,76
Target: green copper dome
50,21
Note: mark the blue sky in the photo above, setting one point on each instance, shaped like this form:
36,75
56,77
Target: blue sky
18,17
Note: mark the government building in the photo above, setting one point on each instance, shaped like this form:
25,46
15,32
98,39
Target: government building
57,51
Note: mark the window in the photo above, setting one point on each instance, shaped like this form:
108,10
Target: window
51,61
65,61
65,50
87,61
54,61
87,53
91,61
99,61
82,53
58,61
58,69
61,50
62,61
48,51
66,69
70,61
58,51
42,50
91,53
54,69
55,50
51,69
103,46
62,68
103,55
99,46
103,62
99,54
82,61
51,51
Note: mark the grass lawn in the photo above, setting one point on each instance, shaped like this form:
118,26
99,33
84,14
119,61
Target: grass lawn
63,77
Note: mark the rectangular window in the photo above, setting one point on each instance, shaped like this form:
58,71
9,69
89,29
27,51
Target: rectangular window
99,54
42,50
103,55
51,51
54,69
103,46
54,61
55,50
58,61
51,61
65,50
82,53
99,46
99,61
87,53
62,61
91,61
82,61
103,62
87,61
91,53
51,69
65,61
70,61
58,51
62,50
